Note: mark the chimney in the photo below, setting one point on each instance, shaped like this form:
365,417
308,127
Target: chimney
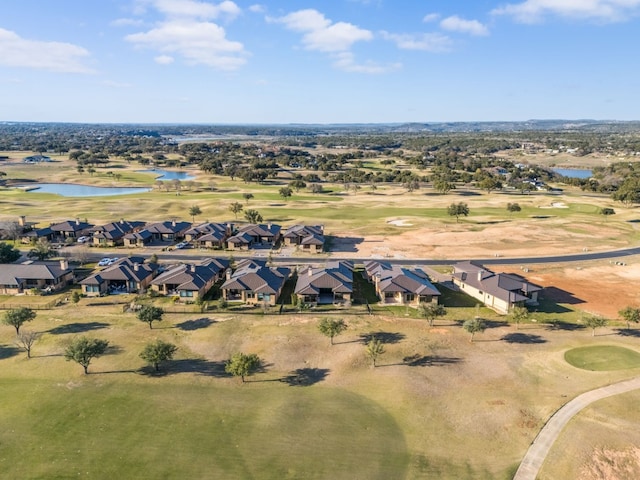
122,221
77,221
64,264
173,223
228,274
269,225
310,272
193,268
136,267
22,220
480,272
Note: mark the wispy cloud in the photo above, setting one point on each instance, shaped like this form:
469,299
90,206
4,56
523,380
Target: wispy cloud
457,24
428,42
346,61
127,22
431,17
322,34
531,11
16,51
188,31
257,8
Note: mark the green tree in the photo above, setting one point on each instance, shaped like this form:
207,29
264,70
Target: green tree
247,197
25,340
316,188
222,303
242,365
593,322
41,250
8,254
285,192
331,328
443,186
194,211
374,349
630,315
489,184
154,353
519,314
150,314
16,317
607,211
75,296
474,326
513,207
297,185
83,349
431,310
236,208
252,216
457,210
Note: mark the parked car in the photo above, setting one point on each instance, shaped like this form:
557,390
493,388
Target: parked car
113,260
104,262
182,245
83,239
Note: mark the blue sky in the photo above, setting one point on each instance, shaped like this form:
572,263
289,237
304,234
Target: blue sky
332,61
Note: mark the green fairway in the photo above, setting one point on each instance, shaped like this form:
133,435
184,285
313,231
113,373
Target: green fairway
603,358
103,428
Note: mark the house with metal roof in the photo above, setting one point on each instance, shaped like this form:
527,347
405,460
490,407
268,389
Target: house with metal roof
112,234
127,275
401,285
70,229
332,283
45,276
254,235
189,282
498,291
308,238
253,282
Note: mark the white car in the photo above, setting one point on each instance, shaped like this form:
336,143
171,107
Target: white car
104,262
182,245
113,260
83,239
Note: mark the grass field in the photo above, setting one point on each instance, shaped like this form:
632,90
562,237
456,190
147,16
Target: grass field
316,411
603,358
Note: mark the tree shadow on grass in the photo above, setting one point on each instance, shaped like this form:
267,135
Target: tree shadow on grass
384,337
8,351
305,377
495,323
77,328
196,324
566,326
188,365
628,332
524,338
429,361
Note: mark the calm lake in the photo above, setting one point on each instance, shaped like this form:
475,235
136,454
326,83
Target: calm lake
168,174
573,172
75,190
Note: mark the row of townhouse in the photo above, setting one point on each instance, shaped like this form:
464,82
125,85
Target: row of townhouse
209,235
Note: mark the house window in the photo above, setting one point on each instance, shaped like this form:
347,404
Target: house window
186,293
264,296
410,297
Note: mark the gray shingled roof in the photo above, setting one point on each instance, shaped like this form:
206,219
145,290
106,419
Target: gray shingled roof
255,276
406,280
14,274
336,276
193,276
125,269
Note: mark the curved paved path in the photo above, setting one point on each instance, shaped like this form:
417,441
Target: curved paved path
540,447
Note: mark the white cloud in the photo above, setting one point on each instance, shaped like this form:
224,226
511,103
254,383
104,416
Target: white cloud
531,11
164,59
346,61
257,8
199,43
321,34
431,17
457,24
126,22
187,32
191,8
16,51
428,42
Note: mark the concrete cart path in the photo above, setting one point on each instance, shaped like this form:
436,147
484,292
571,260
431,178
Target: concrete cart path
540,447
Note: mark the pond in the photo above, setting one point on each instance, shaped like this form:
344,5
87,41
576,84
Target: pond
75,190
168,174
573,172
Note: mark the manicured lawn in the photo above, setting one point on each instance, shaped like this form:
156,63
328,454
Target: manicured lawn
603,358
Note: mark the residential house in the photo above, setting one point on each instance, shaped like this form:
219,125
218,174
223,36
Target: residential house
209,235
137,239
70,229
127,275
250,236
112,234
332,283
254,283
401,285
499,291
44,276
309,238
190,281
36,234
168,231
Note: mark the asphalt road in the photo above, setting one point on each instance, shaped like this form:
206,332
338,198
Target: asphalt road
537,453
190,255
